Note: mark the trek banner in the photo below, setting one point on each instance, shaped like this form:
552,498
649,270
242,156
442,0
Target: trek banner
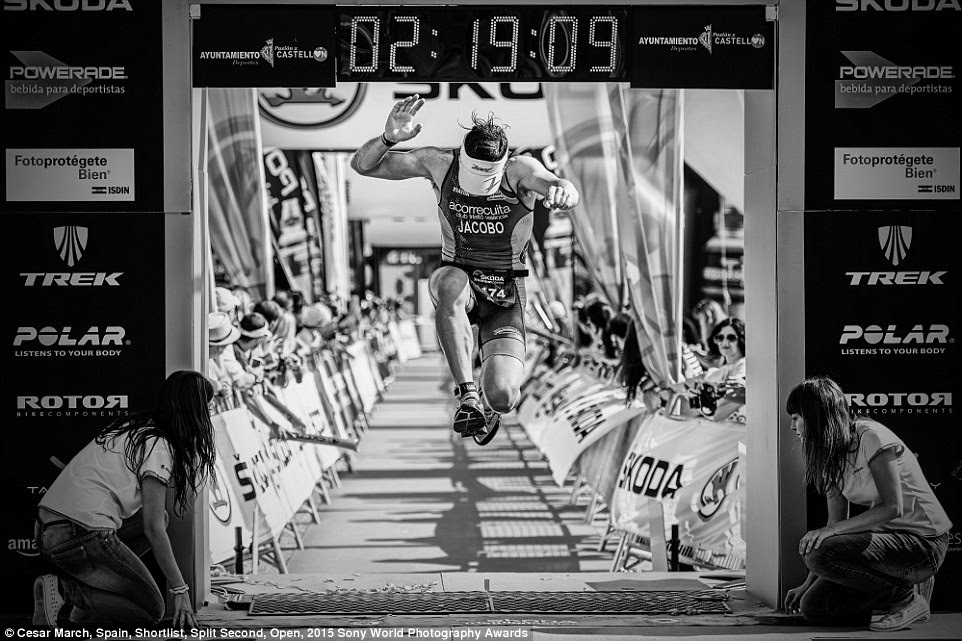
83,115
81,354
882,319
881,105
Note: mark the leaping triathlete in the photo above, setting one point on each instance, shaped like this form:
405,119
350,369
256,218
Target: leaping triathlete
485,202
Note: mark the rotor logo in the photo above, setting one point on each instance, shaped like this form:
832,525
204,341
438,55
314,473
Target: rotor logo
71,241
311,107
895,240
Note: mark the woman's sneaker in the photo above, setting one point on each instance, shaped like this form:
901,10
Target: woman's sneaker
47,600
915,611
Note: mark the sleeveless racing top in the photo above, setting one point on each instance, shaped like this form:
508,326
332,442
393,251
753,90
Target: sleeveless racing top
489,232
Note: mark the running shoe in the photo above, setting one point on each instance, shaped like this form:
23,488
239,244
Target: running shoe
469,419
47,600
492,423
915,611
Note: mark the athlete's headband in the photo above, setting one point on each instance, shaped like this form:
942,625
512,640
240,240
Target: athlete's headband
480,177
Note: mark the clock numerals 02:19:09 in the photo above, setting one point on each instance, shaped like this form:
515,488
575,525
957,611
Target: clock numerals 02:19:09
559,40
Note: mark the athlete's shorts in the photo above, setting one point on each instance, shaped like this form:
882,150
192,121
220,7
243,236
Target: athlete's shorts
494,319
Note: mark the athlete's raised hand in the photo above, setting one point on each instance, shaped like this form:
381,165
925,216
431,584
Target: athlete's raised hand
400,124
561,195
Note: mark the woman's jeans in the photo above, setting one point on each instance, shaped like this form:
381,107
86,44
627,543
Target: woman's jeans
860,572
106,580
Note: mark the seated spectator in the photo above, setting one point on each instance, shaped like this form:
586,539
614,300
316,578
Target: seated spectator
249,347
225,372
726,382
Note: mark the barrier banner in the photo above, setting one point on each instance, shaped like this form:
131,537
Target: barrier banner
579,424
225,508
599,463
408,342
360,364
559,391
304,400
692,467
327,392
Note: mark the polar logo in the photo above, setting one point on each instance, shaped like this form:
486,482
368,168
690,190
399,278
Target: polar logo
895,241
71,241
874,335
900,399
66,5
51,336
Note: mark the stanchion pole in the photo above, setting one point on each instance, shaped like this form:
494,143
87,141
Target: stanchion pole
238,550
675,546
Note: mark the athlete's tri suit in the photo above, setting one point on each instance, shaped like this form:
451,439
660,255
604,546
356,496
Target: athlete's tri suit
487,238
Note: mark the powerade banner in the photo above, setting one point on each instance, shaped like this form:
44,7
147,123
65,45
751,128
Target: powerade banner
83,106
882,104
702,48
882,318
264,46
85,345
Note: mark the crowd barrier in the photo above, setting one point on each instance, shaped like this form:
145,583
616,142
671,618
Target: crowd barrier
654,474
282,440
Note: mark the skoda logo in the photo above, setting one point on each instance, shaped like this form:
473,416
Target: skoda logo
219,502
311,107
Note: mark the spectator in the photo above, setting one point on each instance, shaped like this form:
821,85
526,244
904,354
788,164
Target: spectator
883,557
107,508
312,319
707,314
225,371
248,350
726,382
227,302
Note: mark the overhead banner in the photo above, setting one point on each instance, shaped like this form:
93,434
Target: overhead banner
75,74
263,46
882,319
344,117
702,47
80,354
882,104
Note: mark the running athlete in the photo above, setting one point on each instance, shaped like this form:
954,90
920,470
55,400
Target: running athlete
485,204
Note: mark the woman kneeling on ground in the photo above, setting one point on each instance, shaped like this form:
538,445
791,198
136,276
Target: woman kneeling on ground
887,556
107,508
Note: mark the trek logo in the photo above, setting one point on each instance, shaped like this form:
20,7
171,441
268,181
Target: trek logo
722,483
92,402
897,5
895,241
67,5
900,399
51,336
875,335
70,241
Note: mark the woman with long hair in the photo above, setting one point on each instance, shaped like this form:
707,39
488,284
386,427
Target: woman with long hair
108,507
885,557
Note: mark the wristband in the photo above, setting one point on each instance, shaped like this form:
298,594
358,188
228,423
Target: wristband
386,142
183,589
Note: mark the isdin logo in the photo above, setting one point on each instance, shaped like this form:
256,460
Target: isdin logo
70,241
895,241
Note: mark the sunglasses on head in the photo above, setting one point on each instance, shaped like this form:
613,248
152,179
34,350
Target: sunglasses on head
721,338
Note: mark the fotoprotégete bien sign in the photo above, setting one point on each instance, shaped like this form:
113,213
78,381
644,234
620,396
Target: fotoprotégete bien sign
882,104
83,112
86,346
882,319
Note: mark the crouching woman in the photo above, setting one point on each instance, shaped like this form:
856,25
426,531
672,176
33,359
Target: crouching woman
108,507
884,558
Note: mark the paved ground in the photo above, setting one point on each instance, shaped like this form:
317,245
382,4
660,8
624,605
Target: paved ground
424,511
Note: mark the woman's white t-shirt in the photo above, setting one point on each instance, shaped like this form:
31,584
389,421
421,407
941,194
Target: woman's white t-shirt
922,513
98,490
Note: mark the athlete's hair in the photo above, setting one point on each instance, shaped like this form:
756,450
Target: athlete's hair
829,431
486,140
182,418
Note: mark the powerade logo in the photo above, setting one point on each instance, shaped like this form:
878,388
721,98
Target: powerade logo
901,402
897,5
66,5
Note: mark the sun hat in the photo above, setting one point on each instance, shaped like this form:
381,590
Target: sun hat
254,325
225,299
313,316
220,331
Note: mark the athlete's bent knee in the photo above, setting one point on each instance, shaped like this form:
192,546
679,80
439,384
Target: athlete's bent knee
500,398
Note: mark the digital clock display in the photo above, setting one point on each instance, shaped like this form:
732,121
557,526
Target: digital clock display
464,44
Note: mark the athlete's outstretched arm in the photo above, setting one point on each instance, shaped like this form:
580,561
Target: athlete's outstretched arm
375,159
558,193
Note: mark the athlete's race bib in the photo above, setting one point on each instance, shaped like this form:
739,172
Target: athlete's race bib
496,287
